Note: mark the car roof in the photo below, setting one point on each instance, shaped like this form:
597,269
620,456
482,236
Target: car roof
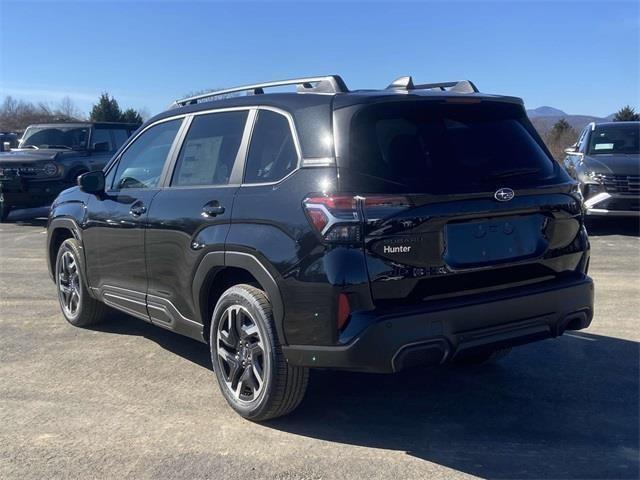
611,123
86,124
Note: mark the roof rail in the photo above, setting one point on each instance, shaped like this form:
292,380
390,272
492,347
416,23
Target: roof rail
323,84
406,83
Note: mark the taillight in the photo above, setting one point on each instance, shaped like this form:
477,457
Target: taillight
335,217
338,218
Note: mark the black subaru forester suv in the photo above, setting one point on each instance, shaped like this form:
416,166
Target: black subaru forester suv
325,228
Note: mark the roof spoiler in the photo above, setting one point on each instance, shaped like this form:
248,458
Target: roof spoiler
460,86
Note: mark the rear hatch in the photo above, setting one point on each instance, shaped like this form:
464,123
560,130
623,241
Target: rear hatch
456,198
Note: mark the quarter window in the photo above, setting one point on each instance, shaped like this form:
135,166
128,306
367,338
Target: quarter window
209,149
272,154
140,166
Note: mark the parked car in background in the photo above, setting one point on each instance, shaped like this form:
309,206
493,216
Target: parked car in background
8,140
371,230
50,157
606,162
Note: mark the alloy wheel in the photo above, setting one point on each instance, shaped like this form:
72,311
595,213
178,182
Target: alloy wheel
69,290
241,354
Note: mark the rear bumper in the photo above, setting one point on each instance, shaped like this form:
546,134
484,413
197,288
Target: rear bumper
438,332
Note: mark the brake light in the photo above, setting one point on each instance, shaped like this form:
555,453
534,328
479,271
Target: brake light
338,218
335,217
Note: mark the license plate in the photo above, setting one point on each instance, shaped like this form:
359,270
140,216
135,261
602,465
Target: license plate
502,240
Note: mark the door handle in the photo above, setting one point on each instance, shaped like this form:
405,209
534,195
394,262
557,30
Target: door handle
212,209
137,209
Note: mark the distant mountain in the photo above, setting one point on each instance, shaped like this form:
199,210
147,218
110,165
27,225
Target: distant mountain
543,119
546,112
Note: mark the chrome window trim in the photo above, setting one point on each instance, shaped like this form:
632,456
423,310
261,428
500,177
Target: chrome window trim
240,162
296,142
131,142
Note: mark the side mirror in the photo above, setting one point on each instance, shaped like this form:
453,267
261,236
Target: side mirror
571,150
92,182
101,147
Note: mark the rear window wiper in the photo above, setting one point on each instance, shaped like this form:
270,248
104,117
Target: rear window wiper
514,172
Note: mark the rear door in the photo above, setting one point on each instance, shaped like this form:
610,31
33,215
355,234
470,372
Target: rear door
455,197
190,217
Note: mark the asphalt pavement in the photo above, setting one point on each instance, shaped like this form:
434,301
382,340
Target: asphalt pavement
130,400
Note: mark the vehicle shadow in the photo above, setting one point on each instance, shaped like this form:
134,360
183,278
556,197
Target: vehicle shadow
187,348
562,408
565,408
613,226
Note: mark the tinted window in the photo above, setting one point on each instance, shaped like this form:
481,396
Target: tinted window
209,150
120,136
272,153
620,139
60,136
437,148
101,135
141,164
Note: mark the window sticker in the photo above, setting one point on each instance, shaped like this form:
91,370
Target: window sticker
603,146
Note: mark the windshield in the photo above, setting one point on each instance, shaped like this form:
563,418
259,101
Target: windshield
71,137
443,148
621,139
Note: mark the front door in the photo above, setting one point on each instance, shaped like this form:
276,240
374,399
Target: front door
116,220
190,217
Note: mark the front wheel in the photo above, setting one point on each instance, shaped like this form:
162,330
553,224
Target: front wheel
77,306
247,358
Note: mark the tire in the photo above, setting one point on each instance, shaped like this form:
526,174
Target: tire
4,211
78,307
245,348
486,356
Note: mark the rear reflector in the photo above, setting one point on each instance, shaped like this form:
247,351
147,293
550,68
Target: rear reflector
343,310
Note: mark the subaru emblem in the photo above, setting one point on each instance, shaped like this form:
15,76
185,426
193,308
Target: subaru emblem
504,195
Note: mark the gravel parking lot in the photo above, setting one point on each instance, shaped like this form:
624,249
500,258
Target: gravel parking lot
131,400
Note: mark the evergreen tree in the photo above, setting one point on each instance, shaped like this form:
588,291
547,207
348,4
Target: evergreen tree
106,110
626,114
131,116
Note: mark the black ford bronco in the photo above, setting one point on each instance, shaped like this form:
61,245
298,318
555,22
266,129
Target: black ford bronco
367,230
50,157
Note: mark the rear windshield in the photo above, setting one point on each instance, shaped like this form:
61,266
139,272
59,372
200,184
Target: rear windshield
442,148
615,139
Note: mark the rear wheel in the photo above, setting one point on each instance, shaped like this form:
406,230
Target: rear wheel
485,356
77,306
251,370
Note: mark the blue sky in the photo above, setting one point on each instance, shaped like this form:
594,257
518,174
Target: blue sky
576,56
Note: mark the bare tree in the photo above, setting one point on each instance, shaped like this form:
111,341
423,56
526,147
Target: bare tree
66,108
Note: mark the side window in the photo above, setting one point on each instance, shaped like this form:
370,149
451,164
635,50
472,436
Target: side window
209,149
140,166
272,154
120,136
583,139
101,135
